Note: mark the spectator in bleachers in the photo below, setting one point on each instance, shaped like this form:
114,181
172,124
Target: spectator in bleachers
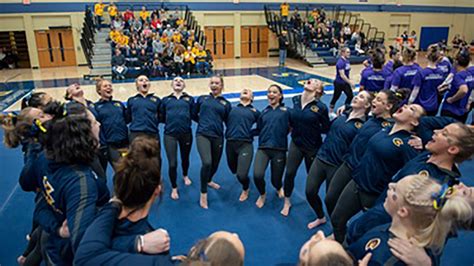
99,13
113,11
144,15
178,66
119,68
334,46
128,17
156,23
137,24
285,13
412,37
189,61
202,61
118,23
157,46
347,33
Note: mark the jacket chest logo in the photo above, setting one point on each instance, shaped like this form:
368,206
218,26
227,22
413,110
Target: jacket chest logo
397,142
314,108
358,124
424,173
372,244
385,124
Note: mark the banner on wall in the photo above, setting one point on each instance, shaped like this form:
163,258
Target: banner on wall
26,2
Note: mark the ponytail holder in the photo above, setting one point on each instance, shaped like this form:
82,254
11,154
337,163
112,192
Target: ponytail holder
40,126
64,110
440,198
13,117
398,94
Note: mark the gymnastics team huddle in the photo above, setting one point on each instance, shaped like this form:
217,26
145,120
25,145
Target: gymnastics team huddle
392,151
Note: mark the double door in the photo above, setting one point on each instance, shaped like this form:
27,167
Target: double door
220,41
55,48
254,41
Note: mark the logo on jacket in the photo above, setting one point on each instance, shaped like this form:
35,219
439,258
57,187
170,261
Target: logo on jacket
358,124
372,244
424,173
398,142
314,108
283,109
385,124
223,102
253,110
186,98
153,99
117,104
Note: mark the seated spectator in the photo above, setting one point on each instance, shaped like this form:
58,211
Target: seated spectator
156,69
113,11
117,23
334,46
144,15
167,62
168,31
177,37
156,24
128,17
144,62
164,37
358,48
347,33
147,32
136,25
119,69
189,61
178,66
202,65
8,59
355,37
158,45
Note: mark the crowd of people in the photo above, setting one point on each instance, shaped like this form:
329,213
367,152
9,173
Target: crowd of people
155,43
386,153
317,30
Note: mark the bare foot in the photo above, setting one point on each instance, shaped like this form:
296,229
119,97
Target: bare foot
21,260
244,195
187,181
214,185
174,194
281,193
260,201
286,207
317,223
203,201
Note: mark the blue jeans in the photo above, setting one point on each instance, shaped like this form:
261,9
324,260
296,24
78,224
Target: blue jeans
282,57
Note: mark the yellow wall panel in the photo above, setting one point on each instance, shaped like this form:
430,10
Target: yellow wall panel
8,23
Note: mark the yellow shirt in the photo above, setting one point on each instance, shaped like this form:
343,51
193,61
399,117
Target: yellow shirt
99,9
180,22
189,57
177,38
123,40
114,35
164,39
144,14
195,51
285,10
113,11
201,54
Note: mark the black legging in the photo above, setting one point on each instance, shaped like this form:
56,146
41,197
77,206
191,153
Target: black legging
341,177
351,201
113,152
239,158
32,253
185,142
318,172
210,151
295,156
278,161
338,89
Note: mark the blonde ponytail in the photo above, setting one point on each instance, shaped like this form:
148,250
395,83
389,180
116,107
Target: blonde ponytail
454,212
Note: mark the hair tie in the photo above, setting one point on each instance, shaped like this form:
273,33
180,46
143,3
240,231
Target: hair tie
40,126
399,95
440,198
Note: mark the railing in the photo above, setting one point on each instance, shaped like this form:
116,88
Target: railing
297,43
87,35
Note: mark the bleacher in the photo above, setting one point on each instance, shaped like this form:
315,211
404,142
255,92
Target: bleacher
309,51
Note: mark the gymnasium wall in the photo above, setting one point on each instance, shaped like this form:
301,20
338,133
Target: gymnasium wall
41,14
